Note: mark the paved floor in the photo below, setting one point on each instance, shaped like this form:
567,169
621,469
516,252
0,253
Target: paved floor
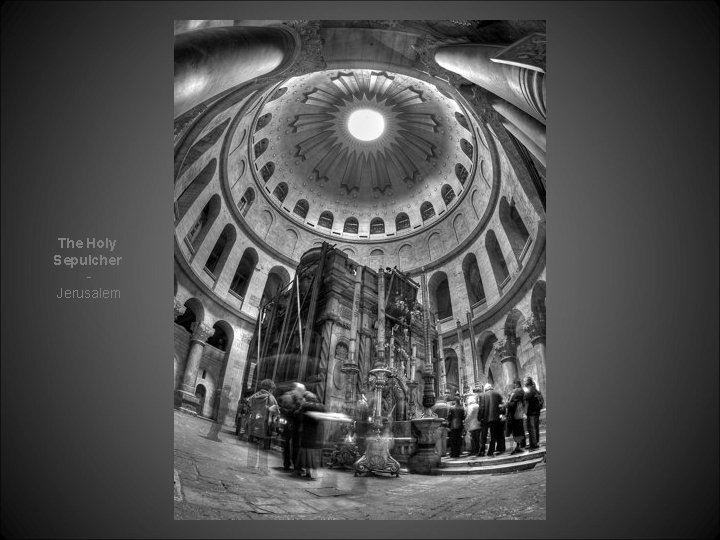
218,476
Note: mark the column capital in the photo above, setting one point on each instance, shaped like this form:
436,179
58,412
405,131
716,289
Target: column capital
179,309
505,349
535,328
200,332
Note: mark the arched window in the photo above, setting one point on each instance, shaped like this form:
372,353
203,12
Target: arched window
260,147
195,188
447,194
497,261
473,281
202,146
513,225
263,121
377,226
278,93
219,339
244,272
426,210
461,172
267,171
462,120
326,220
281,191
351,225
402,221
467,148
207,217
219,254
246,201
301,208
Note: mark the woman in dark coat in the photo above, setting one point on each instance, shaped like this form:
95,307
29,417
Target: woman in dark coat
516,415
311,436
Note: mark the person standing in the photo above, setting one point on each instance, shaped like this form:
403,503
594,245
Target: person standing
535,402
516,416
491,410
456,421
472,425
311,436
263,411
290,403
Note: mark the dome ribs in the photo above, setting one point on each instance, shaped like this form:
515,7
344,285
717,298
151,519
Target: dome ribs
404,162
425,148
424,121
380,177
350,176
331,163
317,121
405,97
324,99
315,146
349,85
379,84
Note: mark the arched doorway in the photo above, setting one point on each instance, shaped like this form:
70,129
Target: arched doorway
200,394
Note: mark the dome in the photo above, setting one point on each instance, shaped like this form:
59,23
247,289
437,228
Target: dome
305,136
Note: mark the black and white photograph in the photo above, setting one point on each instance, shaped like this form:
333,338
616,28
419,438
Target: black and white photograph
359,275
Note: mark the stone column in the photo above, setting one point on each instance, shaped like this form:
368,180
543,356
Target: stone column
189,402
524,88
213,60
441,362
381,318
464,385
425,430
505,349
536,329
476,379
524,127
351,368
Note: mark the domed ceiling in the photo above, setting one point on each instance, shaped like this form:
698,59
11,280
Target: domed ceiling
411,146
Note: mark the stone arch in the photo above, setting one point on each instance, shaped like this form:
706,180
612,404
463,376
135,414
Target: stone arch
246,201
405,257
281,191
460,227
440,301
376,259
537,302
191,192
278,277
474,198
266,221
204,222
221,251
452,371
194,312
515,230
497,260
301,208
485,343
473,280
202,145
435,246
292,241
243,273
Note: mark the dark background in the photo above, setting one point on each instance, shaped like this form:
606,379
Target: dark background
87,421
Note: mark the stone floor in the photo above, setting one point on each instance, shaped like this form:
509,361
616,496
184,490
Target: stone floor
218,476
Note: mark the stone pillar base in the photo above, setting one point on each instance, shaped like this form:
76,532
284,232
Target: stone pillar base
424,460
187,402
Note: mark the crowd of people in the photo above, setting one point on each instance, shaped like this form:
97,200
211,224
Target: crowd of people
497,416
261,417
294,419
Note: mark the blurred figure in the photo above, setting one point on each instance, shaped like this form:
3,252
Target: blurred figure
290,403
516,416
241,417
535,402
472,425
311,436
456,418
263,412
491,416
362,418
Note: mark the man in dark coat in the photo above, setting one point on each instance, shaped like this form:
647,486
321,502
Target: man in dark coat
456,421
489,414
535,402
290,403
